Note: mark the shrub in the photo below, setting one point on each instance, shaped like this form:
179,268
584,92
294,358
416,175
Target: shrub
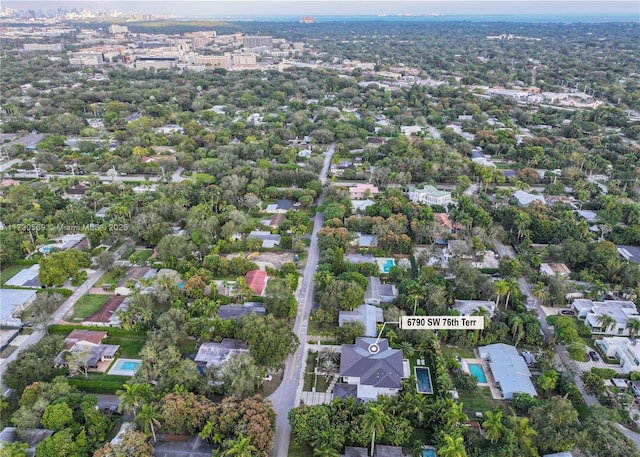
96,387
604,373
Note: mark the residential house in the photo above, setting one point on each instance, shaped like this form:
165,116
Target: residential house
257,281
91,341
9,183
429,195
361,206
370,316
509,369
444,221
360,191
64,242
525,198
75,192
218,353
374,141
468,307
378,293
593,311
355,452
30,436
13,302
552,269
268,239
365,241
236,311
626,350
170,129
630,253
372,367
280,207
27,277
388,451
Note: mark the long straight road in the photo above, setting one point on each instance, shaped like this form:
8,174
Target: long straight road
287,395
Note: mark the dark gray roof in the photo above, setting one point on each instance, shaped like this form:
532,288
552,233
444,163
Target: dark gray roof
284,204
355,452
342,390
631,253
383,369
236,311
388,451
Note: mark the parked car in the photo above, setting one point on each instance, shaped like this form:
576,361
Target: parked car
594,356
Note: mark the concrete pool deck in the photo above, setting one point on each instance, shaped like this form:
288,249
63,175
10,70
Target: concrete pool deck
117,369
496,393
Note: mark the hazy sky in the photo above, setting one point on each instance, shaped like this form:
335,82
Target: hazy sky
214,8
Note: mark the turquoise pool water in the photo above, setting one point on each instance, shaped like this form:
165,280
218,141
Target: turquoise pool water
387,265
478,372
128,365
423,376
428,453
181,285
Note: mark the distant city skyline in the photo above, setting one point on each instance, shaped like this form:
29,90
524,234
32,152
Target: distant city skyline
268,8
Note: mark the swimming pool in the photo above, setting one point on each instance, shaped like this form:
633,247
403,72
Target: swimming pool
387,265
428,453
477,371
423,377
125,367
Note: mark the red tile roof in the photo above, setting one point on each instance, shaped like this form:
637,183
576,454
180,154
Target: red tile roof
256,280
90,336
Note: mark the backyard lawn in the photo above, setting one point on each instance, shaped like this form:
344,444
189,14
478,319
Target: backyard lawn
130,346
465,353
481,401
141,255
110,277
86,306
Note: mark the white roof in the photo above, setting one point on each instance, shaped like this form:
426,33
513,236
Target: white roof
509,369
525,198
467,307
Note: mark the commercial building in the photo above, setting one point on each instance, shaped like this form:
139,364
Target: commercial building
52,47
257,42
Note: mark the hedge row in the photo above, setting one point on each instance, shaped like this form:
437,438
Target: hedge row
96,387
61,291
61,329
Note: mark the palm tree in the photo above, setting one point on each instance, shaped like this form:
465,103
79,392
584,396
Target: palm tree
133,396
453,447
328,354
501,288
241,447
493,426
407,349
633,325
374,421
606,321
541,292
513,287
484,312
523,431
325,451
147,419
517,328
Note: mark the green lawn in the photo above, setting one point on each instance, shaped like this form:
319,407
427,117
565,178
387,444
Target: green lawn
86,306
141,256
481,401
465,353
302,451
129,346
9,272
110,277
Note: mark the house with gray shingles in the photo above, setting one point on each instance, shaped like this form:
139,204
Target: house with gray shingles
372,373
377,292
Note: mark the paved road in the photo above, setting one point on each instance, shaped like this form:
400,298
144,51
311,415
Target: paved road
287,396
58,315
562,354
